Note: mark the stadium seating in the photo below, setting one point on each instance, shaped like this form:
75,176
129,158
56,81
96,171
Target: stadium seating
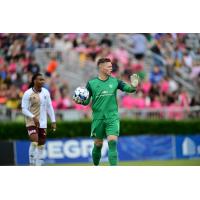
176,57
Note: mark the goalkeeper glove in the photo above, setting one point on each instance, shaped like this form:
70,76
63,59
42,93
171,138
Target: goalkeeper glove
134,80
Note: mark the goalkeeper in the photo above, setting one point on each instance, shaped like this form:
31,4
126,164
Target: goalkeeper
105,124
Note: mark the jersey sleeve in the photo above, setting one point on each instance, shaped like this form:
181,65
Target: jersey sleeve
125,87
50,110
25,105
86,102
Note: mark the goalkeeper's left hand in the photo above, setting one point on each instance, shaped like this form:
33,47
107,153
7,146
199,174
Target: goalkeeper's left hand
134,80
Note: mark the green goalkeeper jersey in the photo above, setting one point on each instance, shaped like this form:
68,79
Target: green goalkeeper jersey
104,96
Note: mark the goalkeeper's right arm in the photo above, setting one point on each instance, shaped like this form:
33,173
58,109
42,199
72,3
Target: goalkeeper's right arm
85,103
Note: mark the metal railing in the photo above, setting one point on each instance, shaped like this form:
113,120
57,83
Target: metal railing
147,113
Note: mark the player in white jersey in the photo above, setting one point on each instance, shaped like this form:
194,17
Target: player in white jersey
36,104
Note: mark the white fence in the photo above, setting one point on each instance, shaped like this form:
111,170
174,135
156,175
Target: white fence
71,114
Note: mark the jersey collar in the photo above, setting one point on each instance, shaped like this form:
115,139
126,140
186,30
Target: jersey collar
103,80
36,91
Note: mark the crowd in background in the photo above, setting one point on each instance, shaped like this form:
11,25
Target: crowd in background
171,54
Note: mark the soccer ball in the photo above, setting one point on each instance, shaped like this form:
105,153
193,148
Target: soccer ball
81,94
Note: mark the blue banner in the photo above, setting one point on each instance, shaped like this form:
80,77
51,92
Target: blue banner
79,150
188,146
61,151
145,148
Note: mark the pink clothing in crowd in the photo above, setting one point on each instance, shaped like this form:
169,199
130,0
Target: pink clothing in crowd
164,86
12,67
146,86
81,49
81,107
24,87
156,104
114,74
137,68
1,60
24,62
184,99
175,111
54,104
195,72
65,103
127,102
130,102
71,36
122,56
139,103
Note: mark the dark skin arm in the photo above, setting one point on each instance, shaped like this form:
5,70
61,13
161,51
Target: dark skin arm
53,126
36,121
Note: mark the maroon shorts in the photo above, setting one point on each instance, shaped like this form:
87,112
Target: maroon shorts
41,132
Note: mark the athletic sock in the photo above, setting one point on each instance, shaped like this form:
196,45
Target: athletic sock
39,159
112,152
32,153
96,154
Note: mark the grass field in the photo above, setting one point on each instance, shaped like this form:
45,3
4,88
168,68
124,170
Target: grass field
146,163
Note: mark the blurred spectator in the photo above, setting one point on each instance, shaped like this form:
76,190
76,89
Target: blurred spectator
156,102
3,72
183,98
187,60
173,57
106,40
3,93
52,65
140,101
93,49
13,95
65,101
173,86
115,67
146,86
164,85
33,67
174,110
32,43
195,70
128,102
156,75
139,46
122,55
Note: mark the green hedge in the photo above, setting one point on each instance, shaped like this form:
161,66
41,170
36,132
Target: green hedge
16,130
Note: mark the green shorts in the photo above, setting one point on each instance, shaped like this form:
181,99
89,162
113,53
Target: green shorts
101,128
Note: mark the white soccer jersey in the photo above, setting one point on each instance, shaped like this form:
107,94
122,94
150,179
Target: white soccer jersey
37,105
